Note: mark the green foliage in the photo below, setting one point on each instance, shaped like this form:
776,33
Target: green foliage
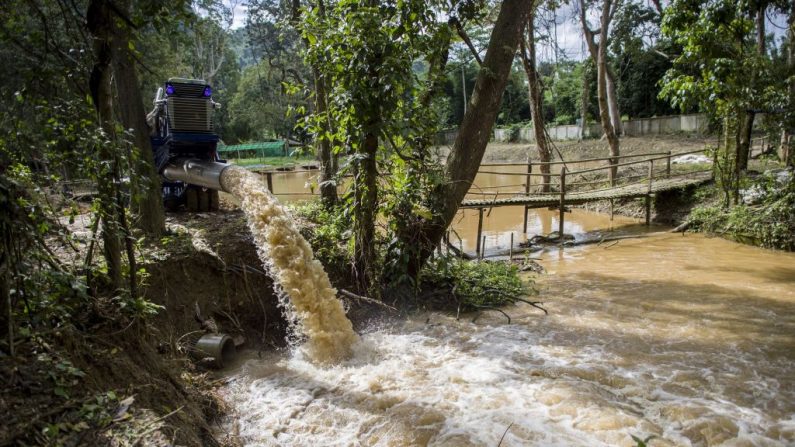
259,107
769,224
329,233
476,284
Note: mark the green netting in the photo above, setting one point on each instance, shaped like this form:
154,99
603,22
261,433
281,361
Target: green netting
262,149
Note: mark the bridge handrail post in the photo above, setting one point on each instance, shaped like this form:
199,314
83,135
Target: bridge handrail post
480,230
668,165
529,171
527,191
562,202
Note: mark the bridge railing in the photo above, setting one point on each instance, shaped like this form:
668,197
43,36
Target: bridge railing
632,169
595,178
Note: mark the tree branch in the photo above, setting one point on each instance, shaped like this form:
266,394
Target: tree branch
463,34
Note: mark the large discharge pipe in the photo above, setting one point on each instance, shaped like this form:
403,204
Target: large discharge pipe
208,174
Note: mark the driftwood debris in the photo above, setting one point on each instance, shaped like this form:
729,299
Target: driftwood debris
354,296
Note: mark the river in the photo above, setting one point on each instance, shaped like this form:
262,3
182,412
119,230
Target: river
687,338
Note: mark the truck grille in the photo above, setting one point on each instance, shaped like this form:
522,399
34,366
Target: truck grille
188,90
190,114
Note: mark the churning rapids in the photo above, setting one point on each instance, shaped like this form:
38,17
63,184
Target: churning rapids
686,338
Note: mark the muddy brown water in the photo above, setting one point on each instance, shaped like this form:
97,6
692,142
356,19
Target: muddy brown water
498,223
687,338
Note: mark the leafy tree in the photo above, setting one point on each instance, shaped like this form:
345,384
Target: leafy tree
722,71
259,107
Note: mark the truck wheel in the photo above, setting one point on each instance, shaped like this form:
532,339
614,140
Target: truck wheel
214,200
192,199
204,200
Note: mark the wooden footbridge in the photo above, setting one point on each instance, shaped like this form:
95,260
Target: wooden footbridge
573,182
596,179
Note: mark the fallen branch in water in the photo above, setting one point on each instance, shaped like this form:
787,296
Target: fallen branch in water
684,226
505,433
458,252
534,304
497,309
366,299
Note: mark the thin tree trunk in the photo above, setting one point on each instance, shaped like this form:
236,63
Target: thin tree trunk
744,147
602,88
328,161
470,143
365,204
328,186
147,198
584,102
786,153
594,48
100,24
528,54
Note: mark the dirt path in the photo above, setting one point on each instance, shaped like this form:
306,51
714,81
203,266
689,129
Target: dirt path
574,150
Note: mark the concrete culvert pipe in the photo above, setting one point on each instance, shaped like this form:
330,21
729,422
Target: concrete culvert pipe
220,347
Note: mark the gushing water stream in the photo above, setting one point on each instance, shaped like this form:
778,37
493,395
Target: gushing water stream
297,274
686,338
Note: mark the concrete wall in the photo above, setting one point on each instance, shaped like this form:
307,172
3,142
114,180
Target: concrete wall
695,123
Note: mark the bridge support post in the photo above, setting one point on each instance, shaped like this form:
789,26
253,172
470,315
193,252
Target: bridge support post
483,248
527,192
269,176
480,231
562,202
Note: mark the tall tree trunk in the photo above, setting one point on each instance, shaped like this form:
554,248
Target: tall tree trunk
528,54
470,143
788,158
601,80
744,148
147,198
612,101
99,21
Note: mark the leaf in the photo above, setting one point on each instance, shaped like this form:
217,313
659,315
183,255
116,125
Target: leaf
60,392
121,411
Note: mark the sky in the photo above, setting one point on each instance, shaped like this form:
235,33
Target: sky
569,36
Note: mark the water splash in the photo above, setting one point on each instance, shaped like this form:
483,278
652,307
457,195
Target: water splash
288,258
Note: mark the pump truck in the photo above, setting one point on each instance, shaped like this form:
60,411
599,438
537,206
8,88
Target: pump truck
184,144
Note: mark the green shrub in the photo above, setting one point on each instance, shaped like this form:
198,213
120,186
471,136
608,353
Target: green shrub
769,224
476,284
328,233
